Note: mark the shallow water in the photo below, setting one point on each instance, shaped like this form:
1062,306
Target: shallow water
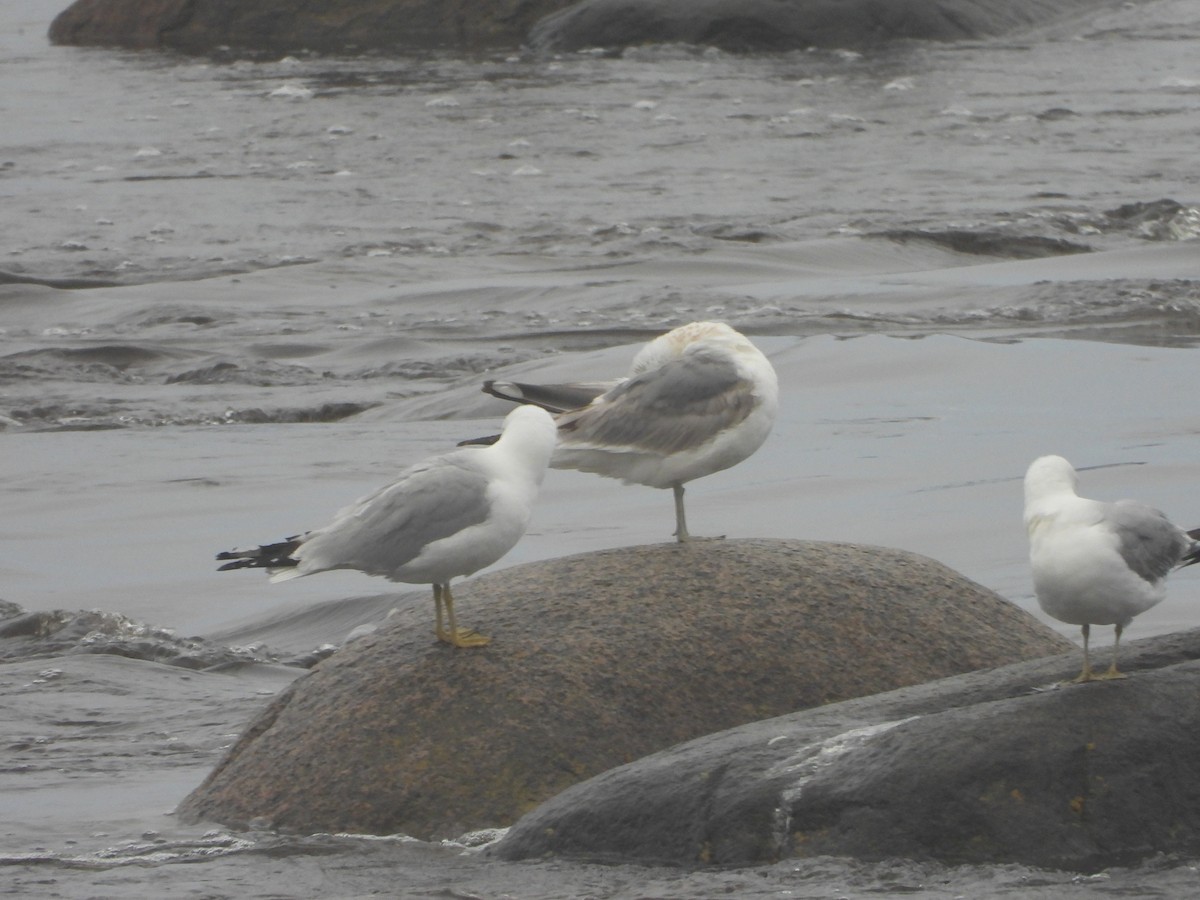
312,263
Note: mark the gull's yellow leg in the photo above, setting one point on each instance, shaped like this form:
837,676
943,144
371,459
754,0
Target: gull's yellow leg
459,637
1086,674
438,629
681,532
1113,672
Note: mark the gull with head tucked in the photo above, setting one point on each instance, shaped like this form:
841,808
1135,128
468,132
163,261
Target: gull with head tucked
698,399
1097,563
447,516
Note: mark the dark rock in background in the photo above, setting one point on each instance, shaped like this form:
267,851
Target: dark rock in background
350,26
288,26
771,25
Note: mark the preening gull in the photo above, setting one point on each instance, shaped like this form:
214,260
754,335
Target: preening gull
698,399
1097,563
447,516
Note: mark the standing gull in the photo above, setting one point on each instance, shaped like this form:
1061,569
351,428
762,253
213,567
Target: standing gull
447,516
699,399
1097,563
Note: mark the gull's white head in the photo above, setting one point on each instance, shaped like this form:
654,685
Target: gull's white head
531,433
1049,481
671,345
1049,476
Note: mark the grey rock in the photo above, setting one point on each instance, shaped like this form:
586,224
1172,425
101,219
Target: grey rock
347,26
772,25
596,660
1001,766
289,26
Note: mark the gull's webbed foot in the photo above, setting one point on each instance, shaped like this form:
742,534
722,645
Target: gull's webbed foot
697,538
681,530
453,635
1085,676
464,638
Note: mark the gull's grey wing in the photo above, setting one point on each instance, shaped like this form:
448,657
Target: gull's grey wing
385,530
681,405
1150,545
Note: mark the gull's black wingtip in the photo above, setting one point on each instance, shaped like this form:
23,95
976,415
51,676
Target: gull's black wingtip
1192,556
485,441
267,556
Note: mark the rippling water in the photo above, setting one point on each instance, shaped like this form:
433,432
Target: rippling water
235,295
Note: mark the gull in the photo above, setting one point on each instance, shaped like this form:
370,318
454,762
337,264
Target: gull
698,399
1097,563
446,516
